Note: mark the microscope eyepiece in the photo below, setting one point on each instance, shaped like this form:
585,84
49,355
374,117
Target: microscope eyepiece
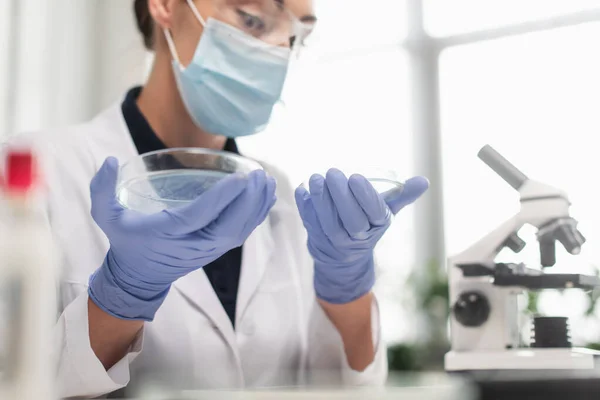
511,174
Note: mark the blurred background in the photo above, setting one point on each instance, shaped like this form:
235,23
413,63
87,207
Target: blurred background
418,86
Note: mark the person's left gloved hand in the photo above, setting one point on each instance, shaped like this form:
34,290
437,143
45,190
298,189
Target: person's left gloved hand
345,218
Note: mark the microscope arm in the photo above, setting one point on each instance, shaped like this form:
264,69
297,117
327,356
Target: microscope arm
542,206
487,248
548,212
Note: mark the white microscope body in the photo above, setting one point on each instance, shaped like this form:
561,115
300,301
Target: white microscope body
485,332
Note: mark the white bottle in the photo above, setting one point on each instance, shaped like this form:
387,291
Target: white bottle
28,274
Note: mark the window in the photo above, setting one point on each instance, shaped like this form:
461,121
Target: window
444,17
348,107
348,25
534,98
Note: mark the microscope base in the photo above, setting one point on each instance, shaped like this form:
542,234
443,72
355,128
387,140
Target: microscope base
522,359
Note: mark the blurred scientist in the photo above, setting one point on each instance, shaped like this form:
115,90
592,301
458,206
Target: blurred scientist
251,284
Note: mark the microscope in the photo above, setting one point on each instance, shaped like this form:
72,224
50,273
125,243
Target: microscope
484,322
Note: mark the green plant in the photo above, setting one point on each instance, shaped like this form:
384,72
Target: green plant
403,357
594,296
532,303
593,346
427,291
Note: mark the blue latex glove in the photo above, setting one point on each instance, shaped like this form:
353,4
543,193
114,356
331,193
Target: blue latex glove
149,252
345,218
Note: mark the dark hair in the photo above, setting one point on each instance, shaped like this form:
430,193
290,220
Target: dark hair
144,22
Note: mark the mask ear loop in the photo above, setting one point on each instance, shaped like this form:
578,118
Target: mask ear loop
196,13
169,37
172,47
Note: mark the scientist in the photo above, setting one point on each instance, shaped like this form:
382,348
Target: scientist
251,284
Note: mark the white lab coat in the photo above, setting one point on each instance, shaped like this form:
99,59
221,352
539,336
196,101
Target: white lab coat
282,336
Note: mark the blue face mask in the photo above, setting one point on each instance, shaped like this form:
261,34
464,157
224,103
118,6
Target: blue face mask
233,82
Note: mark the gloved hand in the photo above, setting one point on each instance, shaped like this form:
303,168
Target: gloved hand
149,252
345,218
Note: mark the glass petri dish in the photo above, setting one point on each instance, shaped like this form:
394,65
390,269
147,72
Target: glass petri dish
172,178
385,181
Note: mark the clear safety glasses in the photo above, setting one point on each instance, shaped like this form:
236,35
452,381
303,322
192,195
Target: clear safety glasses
267,20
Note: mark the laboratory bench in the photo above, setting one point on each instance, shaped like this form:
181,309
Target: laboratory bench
517,385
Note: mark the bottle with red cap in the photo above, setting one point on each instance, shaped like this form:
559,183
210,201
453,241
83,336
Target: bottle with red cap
28,282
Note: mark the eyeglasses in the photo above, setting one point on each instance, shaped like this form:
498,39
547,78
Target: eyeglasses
268,20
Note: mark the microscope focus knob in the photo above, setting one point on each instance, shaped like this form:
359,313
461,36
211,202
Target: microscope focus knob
472,309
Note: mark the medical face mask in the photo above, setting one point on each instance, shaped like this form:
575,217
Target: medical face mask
234,80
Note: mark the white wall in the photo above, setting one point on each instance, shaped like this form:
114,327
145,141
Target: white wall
73,58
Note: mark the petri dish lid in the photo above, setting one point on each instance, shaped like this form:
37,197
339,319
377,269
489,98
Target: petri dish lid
384,180
171,178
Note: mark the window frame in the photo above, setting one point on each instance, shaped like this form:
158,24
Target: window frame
424,58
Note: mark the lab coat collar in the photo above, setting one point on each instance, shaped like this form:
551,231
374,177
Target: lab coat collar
110,137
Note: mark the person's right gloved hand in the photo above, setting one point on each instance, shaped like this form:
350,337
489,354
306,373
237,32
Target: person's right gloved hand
149,252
